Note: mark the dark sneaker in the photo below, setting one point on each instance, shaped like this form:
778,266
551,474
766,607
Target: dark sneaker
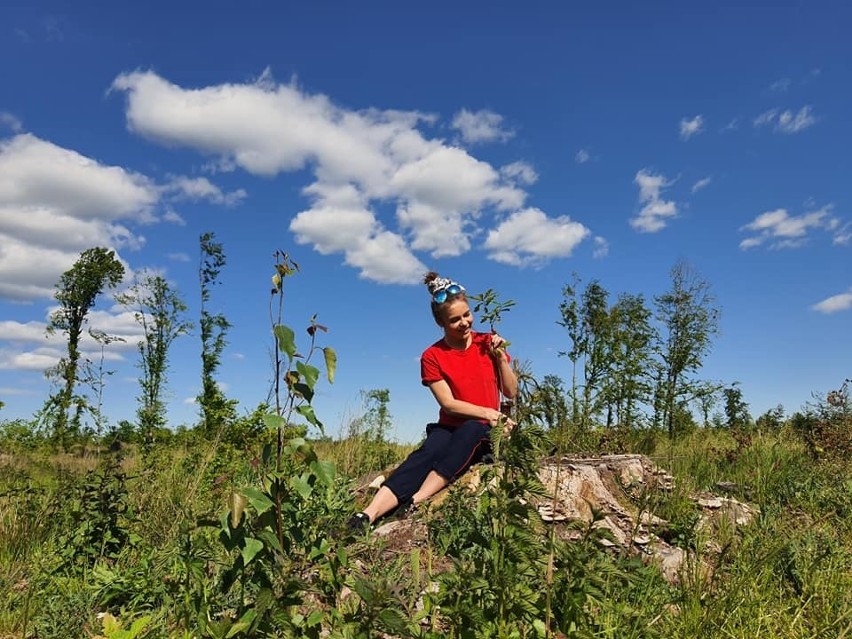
358,523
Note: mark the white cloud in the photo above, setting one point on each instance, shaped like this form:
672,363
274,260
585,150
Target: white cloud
529,238
655,211
201,188
787,121
48,349
480,126
701,184
582,156
780,230
842,235
688,128
11,122
362,162
55,203
178,257
835,303
520,172
173,217
601,248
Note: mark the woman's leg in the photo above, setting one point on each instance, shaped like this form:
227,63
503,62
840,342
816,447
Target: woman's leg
410,475
466,447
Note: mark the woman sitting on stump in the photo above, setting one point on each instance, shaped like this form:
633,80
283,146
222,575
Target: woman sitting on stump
464,370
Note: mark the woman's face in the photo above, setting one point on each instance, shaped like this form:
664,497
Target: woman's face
457,320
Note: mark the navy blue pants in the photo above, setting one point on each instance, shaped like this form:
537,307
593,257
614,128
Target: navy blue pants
448,450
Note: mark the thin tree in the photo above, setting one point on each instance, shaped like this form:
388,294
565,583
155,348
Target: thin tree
689,319
160,311
215,408
630,384
76,292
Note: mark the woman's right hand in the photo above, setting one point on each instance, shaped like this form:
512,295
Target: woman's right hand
496,418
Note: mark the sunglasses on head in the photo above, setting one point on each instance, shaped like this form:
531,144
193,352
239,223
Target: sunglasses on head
441,296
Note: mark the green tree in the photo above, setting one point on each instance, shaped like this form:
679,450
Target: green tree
160,311
629,385
689,319
736,410
591,332
76,292
215,408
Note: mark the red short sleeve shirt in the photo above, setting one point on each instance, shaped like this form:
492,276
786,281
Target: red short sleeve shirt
470,374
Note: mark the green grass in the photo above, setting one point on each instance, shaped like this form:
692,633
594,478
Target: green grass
788,574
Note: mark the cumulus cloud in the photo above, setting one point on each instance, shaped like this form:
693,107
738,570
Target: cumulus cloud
601,248
701,184
655,211
835,303
28,346
200,188
778,229
381,189
528,237
520,172
55,203
480,126
688,128
787,121
582,156
9,121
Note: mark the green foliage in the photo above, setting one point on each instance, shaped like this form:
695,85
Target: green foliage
76,293
217,411
274,532
160,311
98,519
367,436
826,425
689,319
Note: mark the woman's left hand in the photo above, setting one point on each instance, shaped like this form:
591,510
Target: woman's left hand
498,347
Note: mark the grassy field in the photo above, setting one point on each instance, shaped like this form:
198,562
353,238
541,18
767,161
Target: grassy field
198,538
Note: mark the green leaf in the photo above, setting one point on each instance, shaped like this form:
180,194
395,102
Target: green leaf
258,499
242,625
309,373
305,391
250,550
324,470
307,411
302,486
330,363
137,626
274,421
286,339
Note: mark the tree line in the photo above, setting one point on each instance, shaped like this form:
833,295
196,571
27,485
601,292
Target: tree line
632,364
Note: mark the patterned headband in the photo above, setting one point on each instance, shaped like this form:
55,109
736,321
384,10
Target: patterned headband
442,287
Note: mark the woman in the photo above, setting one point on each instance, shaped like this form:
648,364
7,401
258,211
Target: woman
464,370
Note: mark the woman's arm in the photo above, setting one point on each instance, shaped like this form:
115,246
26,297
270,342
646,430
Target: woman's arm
506,374
444,396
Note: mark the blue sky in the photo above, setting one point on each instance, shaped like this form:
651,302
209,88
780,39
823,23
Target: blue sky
505,145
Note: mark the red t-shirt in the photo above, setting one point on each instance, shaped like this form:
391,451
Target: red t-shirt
471,374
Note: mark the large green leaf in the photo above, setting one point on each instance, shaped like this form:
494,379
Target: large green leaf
274,421
250,550
307,411
258,500
324,470
309,373
286,339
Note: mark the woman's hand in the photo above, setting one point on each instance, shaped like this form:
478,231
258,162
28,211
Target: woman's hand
496,418
498,348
